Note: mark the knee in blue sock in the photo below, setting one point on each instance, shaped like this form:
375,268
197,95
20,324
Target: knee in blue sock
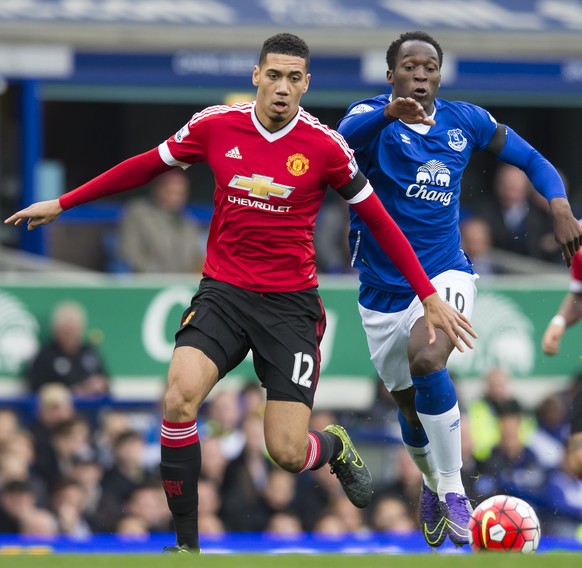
435,393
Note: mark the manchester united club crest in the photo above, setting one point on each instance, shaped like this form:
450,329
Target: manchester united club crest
297,164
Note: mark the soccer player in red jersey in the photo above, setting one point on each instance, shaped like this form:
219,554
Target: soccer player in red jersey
272,163
569,313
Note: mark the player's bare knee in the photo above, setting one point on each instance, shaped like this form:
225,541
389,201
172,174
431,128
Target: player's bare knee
179,405
424,363
288,459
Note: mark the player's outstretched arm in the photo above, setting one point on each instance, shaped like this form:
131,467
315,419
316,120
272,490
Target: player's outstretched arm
129,174
41,213
440,315
570,313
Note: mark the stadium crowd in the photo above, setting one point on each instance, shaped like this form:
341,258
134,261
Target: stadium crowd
76,469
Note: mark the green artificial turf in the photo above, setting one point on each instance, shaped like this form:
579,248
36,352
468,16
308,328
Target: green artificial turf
431,560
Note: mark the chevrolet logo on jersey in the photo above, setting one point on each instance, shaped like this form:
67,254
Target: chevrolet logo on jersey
261,186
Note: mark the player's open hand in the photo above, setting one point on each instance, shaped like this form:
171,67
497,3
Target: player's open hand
567,230
551,339
41,213
440,315
408,110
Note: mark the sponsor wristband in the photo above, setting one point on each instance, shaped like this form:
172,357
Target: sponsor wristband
558,320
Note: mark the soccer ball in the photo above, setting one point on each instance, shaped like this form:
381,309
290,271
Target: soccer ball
504,524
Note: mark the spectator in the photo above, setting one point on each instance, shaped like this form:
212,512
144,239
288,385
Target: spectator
9,424
484,412
406,482
39,522
390,514
315,491
476,241
209,506
330,525
112,423
252,399
157,235
17,457
129,470
516,224
563,497
132,526
512,468
99,505
548,440
69,503
17,500
352,517
148,502
284,523
223,417
214,461
279,492
68,440
245,479
210,524
54,405
67,357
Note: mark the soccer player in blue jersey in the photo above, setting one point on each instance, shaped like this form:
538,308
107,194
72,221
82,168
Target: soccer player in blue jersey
414,149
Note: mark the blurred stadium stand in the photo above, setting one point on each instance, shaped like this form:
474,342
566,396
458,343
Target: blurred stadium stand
86,84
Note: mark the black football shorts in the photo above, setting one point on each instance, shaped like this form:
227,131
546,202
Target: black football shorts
283,331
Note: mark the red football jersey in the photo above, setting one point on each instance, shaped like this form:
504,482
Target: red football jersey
269,189
576,273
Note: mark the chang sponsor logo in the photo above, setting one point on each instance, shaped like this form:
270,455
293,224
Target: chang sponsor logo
434,173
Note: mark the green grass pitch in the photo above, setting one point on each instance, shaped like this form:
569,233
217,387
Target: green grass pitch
486,560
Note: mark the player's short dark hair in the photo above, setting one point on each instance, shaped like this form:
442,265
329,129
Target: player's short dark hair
285,44
392,53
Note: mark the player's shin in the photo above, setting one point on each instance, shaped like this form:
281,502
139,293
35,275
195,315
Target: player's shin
180,470
438,411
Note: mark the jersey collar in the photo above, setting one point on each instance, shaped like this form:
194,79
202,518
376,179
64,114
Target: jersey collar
274,136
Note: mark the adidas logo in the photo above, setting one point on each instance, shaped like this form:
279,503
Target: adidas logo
234,153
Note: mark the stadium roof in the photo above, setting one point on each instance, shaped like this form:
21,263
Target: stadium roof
526,28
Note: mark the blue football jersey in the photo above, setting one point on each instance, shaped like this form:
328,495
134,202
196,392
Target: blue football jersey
416,171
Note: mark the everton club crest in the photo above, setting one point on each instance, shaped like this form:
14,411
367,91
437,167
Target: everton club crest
456,139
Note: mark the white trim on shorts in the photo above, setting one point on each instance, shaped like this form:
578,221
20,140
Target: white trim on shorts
388,333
